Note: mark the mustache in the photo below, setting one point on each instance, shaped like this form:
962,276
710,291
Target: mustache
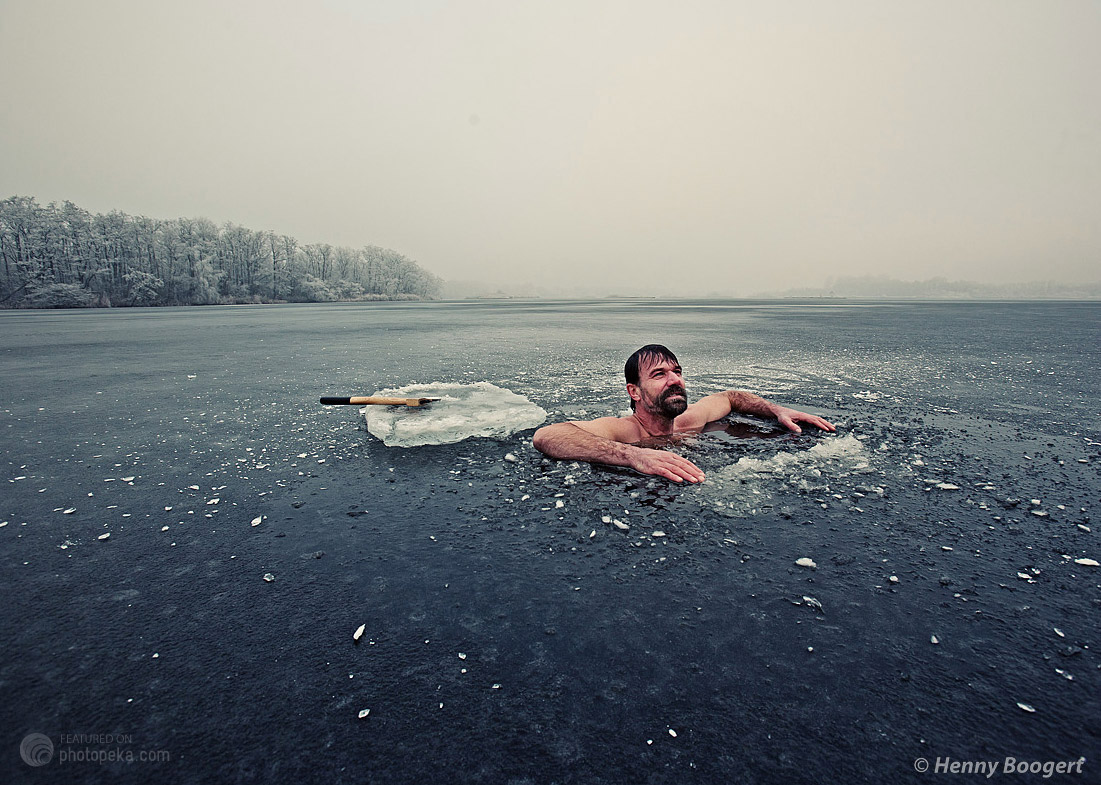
675,391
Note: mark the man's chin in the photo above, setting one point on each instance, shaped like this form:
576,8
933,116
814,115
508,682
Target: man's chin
674,406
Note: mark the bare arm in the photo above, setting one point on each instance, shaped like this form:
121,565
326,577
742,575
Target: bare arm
601,441
715,407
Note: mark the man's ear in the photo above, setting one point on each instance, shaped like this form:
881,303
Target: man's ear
634,392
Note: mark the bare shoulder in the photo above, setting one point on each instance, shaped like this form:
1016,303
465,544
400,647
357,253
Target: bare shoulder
618,429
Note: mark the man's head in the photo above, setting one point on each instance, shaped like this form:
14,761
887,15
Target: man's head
654,380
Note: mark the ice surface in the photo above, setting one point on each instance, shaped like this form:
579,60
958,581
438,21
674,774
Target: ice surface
755,482
463,411
845,452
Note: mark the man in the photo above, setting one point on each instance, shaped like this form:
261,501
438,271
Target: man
660,403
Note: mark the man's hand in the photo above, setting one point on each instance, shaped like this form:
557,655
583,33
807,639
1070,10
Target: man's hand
789,417
665,464
609,444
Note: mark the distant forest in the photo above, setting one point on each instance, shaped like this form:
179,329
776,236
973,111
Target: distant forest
65,257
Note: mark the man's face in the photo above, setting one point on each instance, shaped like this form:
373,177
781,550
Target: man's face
661,388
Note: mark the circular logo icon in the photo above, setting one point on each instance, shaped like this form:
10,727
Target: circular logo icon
36,749
921,765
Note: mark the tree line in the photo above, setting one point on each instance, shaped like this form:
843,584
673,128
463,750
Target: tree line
66,257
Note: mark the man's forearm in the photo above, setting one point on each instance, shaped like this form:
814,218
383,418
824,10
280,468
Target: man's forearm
566,440
748,403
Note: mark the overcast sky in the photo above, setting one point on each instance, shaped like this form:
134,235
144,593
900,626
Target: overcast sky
692,147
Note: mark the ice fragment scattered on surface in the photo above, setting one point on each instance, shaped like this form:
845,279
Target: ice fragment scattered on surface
744,486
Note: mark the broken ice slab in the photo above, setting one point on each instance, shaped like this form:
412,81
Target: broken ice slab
463,411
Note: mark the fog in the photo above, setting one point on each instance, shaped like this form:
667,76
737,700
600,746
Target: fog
629,147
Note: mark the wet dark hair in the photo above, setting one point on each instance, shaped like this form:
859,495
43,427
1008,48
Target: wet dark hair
651,352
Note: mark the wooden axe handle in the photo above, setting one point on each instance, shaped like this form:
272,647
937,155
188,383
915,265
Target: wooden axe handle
374,400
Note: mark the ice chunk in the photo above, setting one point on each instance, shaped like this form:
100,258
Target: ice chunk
740,487
813,603
463,411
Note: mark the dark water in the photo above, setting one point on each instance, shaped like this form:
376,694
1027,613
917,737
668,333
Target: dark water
561,648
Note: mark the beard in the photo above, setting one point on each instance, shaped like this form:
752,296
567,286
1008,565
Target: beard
670,406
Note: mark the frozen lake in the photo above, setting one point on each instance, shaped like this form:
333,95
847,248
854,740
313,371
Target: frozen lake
512,632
